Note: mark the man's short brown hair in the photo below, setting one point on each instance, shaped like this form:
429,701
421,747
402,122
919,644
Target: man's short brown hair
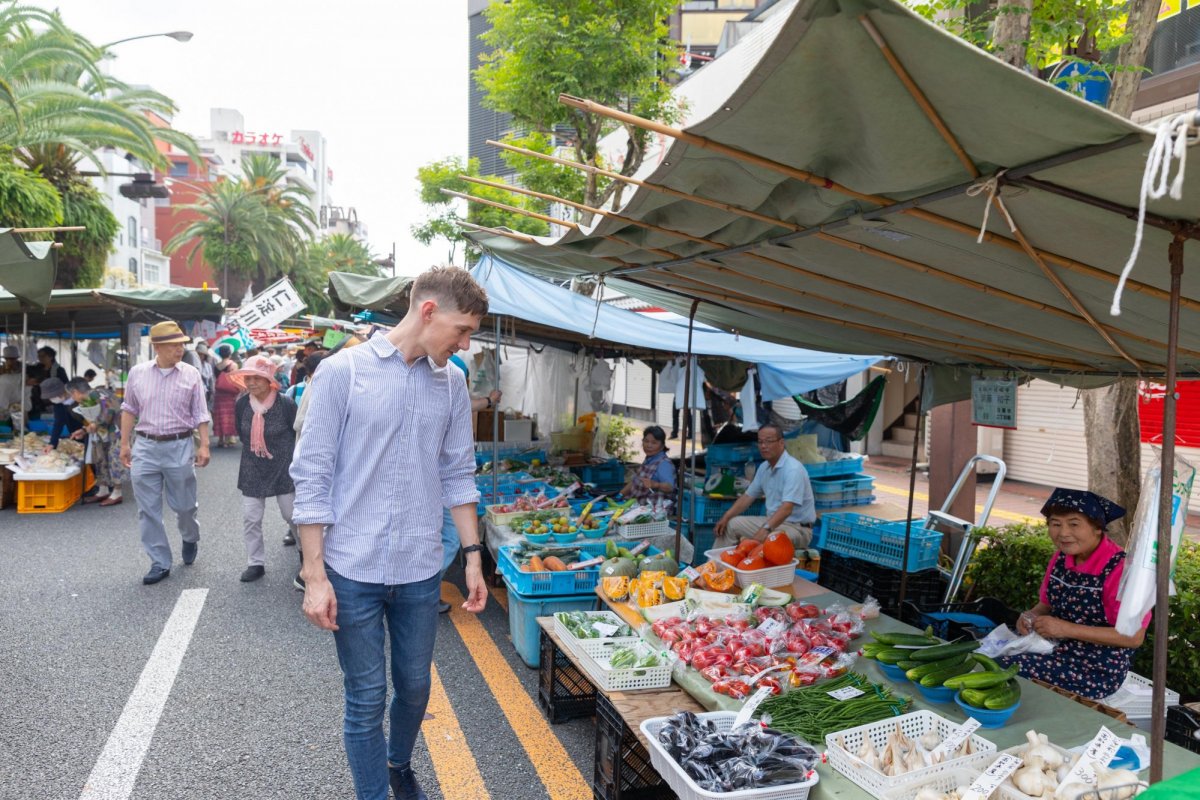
452,288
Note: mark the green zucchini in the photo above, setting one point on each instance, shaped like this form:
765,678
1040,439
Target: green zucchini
926,667
987,662
982,680
944,651
939,677
1005,697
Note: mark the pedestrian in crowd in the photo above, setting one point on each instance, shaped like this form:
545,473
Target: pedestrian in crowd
281,376
449,530
163,407
371,537
101,412
46,367
12,382
207,370
264,424
54,392
225,393
89,375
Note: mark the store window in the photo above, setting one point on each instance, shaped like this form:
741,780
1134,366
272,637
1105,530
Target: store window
150,274
179,169
1176,41
133,268
132,227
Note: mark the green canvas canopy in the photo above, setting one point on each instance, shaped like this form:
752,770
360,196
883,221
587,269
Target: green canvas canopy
818,204
104,310
348,290
27,269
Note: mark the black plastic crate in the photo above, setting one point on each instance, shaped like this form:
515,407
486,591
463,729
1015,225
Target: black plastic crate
956,620
623,770
1183,726
564,691
856,579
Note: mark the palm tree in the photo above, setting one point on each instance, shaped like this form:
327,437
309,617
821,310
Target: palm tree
291,220
337,253
227,233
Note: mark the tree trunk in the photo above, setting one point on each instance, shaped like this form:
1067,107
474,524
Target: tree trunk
1011,36
1143,16
1114,449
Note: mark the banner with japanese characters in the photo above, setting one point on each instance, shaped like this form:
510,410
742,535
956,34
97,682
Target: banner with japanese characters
269,308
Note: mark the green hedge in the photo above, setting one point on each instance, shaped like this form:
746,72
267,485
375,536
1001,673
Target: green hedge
1009,565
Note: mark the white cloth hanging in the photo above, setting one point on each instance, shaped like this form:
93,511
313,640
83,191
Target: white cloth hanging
749,403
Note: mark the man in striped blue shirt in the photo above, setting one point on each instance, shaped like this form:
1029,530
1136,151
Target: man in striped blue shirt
387,443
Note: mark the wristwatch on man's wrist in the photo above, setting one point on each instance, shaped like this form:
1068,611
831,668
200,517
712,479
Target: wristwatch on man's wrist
472,548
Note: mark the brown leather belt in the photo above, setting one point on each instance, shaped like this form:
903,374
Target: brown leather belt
168,437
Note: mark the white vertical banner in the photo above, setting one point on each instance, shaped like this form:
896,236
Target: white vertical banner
270,307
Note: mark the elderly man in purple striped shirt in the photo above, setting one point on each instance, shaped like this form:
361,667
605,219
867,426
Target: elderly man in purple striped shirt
386,446
164,403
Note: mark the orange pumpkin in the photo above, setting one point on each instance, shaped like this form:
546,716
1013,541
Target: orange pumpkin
752,563
616,587
778,548
731,557
675,588
744,547
720,581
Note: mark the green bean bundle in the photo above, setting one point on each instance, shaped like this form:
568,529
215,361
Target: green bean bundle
811,713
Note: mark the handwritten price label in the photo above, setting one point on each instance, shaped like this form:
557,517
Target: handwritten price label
1099,752
845,693
751,706
956,737
992,777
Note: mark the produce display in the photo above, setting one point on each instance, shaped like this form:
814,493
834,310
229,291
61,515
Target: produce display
903,754
748,757
796,645
532,502
634,657
67,455
531,557
926,660
592,625
957,793
749,555
1046,769
812,713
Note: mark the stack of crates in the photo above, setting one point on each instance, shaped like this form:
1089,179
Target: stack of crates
622,766
608,476
856,579
702,511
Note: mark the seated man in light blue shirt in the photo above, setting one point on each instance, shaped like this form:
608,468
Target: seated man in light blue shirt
783,481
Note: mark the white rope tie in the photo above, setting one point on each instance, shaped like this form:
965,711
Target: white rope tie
992,187
1170,142
599,300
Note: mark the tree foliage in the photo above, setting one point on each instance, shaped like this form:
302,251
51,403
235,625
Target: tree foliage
337,253
27,200
84,255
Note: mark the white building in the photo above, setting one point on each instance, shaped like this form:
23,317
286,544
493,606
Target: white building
137,258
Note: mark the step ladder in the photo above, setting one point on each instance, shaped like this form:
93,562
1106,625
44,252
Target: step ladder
942,520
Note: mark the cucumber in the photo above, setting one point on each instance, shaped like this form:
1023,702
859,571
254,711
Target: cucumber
892,656
1005,697
982,680
926,667
907,665
987,662
907,639
975,697
939,677
944,651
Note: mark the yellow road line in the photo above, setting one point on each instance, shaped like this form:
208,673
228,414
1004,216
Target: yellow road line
996,512
457,773
555,769
500,595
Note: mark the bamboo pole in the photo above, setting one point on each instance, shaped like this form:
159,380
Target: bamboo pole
515,210
826,183
49,229
496,232
952,142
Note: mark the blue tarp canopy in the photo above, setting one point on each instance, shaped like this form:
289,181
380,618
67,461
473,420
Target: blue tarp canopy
783,371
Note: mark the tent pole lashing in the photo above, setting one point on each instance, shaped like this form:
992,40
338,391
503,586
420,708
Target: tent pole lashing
1158,707
912,488
685,418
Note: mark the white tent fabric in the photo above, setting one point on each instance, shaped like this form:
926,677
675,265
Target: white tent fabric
783,370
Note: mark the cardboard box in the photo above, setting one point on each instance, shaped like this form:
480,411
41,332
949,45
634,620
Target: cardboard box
516,430
483,426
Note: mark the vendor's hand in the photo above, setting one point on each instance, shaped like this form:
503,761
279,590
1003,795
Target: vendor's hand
79,434
127,456
47,449
494,395
91,427
476,589
1025,622
202,456
320,603
1052,627
719,528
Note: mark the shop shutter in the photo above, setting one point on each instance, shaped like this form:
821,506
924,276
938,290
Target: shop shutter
639,383
1047,447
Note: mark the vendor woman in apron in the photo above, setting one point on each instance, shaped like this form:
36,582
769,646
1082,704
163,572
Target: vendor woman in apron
1078,605
656,476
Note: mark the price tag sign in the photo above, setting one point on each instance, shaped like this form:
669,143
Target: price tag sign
750,706
845,693
992,777
605,629
691,573
956,737
1100,751
816,656
772,628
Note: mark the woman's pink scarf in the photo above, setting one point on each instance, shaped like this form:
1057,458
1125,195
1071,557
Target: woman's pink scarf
258,443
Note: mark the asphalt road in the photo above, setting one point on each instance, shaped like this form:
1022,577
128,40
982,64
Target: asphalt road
255,708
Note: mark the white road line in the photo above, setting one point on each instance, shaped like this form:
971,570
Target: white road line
117,768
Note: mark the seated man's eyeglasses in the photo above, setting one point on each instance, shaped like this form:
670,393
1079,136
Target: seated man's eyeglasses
772,440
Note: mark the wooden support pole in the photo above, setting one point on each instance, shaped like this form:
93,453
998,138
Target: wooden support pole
49,229
513,209
688,428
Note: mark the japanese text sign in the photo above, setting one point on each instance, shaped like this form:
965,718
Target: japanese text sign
994,402
271,307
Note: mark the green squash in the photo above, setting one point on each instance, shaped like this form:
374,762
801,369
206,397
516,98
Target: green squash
660,562
618,567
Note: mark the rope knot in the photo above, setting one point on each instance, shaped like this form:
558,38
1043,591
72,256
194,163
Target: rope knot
992,187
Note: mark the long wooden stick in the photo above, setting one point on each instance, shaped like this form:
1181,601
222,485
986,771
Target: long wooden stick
49,229
952,142
520,237
470,198
817,180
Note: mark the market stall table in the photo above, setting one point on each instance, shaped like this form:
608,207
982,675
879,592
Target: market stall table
496,536
1066,722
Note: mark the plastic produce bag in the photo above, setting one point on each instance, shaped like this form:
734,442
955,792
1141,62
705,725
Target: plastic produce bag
1137,592
1004,642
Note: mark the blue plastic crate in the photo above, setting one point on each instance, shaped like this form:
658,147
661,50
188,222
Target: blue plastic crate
484,481
842,490
702,541
861,501
879,541
610,473
736,453
843,466
527,456
555,583
523,612
708,510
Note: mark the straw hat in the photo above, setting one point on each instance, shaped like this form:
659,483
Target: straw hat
255,365
168,333
11,352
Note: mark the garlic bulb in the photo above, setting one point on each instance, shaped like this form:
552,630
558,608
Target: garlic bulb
1122,782
1029,778
1069,791
929,794
930,740
1039,745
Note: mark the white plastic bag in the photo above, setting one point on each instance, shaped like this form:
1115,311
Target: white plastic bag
1137,592
1003,642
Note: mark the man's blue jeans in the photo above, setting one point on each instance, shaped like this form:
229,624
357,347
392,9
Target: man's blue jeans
410,612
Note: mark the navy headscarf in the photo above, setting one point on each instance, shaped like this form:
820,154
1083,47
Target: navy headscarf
1090,504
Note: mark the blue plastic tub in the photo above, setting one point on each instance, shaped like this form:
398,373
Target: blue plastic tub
569,582
893,672
523,612
706,510
986,717
936,694
843,466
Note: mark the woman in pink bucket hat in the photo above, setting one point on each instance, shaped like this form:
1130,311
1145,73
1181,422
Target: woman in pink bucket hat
264,420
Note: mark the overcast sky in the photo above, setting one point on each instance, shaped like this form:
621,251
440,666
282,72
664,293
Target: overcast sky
388,89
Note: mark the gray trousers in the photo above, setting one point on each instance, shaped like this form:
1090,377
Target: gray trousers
253,509
169,466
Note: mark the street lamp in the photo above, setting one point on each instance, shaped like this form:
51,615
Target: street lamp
179,36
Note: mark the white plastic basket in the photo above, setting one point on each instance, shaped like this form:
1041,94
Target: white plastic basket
594,648
1006,790
943,782
660,527
686,788
771,577
914,726
607,679
1134,696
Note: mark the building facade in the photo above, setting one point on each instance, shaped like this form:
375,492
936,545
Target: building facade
136,258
